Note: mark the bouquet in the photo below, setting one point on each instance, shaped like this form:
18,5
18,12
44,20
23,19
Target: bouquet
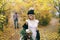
26,34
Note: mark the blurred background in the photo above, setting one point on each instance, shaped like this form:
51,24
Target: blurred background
46,11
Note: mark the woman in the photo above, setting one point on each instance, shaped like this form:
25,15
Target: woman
32,23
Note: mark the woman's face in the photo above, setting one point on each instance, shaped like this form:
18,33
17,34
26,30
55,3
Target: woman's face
31,16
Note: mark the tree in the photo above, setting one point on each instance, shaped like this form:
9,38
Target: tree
57,6
3,17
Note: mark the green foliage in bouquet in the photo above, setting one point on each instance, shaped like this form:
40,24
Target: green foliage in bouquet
23,32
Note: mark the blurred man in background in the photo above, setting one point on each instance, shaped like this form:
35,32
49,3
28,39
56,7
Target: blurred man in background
15,17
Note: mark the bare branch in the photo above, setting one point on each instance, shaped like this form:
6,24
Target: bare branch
56,8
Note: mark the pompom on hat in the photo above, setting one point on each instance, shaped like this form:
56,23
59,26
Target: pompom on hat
31,11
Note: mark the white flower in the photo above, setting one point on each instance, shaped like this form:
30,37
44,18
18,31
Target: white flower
27,30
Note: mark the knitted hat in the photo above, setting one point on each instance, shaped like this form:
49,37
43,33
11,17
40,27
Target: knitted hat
31,11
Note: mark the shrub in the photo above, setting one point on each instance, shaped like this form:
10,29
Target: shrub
2,21
44,18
